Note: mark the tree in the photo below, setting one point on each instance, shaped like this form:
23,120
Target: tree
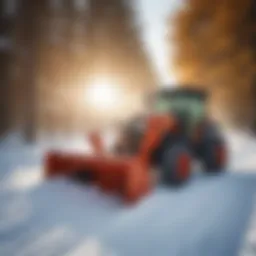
27,35
215,47
48,34
5,62
63,68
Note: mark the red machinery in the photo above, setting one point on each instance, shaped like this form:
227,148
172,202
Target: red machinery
125,175
177,131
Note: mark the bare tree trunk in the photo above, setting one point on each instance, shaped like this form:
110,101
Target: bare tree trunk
5,57
28,36
4,107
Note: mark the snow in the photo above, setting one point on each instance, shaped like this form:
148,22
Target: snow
242,149
24,178
209,216
248,247
90,247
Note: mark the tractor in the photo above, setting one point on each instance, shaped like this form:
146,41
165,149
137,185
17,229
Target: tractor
175,131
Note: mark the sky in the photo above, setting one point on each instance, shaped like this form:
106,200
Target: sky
153,15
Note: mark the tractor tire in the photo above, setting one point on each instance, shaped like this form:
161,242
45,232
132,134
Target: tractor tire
212,151
214,156
176,164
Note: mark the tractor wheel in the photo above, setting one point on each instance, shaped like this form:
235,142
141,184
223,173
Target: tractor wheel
212,151
176,165
214,156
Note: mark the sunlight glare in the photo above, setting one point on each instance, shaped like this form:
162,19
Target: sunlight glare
103,95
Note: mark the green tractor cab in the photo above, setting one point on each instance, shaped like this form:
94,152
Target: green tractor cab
187,105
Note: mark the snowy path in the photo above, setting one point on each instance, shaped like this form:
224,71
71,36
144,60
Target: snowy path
209,217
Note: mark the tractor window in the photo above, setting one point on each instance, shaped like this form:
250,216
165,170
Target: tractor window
180,104
190,109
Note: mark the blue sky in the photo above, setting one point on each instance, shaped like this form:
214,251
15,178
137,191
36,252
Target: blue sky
153,14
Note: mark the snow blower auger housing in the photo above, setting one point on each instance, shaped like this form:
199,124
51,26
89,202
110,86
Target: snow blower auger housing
175,132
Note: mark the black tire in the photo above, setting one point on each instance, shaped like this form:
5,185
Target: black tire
214,156
176,164
212,150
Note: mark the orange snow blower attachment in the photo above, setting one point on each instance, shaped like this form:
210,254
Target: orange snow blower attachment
96,143
126,175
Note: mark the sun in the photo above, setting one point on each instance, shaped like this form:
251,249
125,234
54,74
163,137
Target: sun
103,95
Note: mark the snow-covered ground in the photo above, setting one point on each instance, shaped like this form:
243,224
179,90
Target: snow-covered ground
210,216
242,149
